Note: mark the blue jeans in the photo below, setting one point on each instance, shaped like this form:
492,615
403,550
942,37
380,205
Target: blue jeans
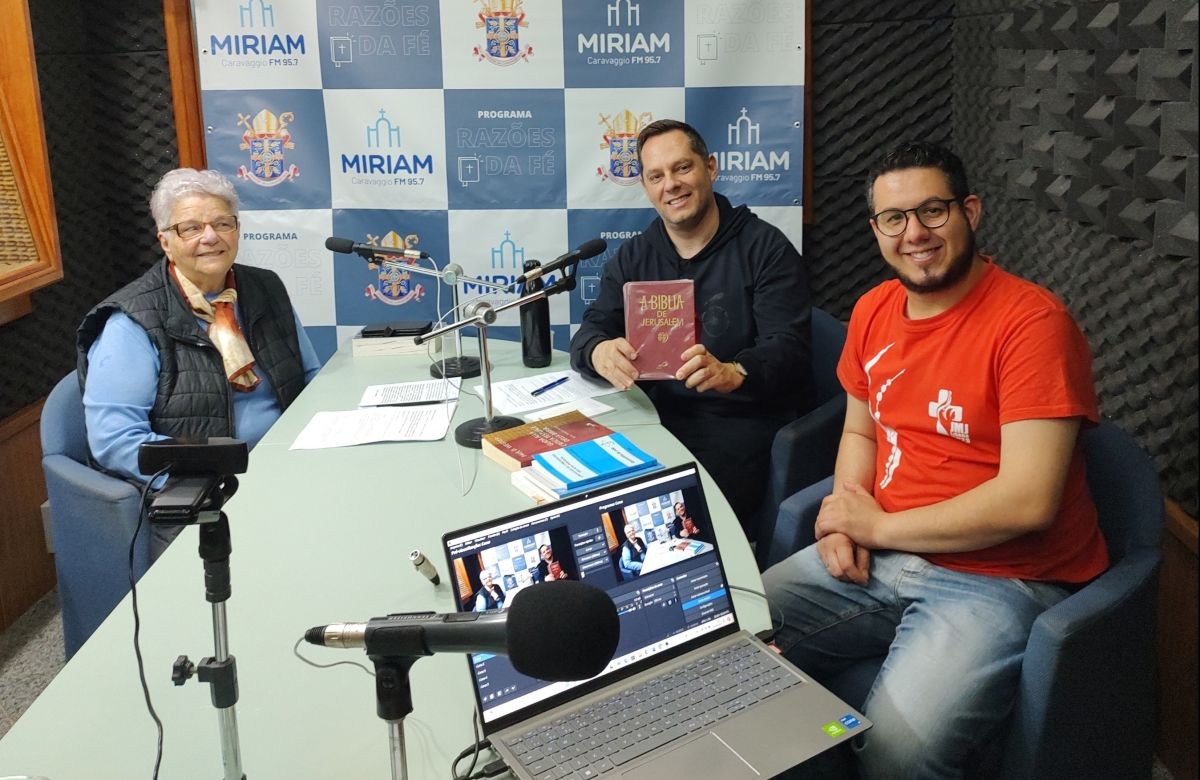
953,644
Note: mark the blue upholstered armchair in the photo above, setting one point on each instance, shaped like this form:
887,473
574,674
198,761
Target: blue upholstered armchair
92,519
1085,705
804,450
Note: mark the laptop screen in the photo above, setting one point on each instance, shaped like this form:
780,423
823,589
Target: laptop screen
648,543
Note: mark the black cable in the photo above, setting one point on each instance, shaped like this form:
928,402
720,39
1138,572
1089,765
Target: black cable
472,751
496,767
478,744
296,652
769,634
143,513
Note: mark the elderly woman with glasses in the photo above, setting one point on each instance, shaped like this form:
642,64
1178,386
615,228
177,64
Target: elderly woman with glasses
195,347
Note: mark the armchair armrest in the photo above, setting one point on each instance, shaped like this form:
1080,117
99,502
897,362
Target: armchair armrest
1088,674
92,521
87,481
794,525
803,452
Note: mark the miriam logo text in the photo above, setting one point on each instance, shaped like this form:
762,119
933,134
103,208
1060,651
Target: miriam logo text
506,262
745,160
624,13
384,135
257,21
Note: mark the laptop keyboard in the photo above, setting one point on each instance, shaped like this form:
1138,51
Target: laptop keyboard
603,736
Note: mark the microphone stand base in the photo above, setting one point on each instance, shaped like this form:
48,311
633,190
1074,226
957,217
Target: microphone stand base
471,433
465,367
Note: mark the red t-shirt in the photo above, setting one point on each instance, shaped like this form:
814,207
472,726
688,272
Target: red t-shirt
940,388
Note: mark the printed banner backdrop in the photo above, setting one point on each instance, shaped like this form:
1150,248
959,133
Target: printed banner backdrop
484,132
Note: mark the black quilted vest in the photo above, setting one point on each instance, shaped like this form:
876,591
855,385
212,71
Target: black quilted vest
194,399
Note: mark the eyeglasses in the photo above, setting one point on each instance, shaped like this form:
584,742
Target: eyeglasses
933,213
193,229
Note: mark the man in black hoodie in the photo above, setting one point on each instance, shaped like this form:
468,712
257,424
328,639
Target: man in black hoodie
749,372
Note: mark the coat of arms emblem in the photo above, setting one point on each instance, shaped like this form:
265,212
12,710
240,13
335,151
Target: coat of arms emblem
267,139
395,286
501,21
620,139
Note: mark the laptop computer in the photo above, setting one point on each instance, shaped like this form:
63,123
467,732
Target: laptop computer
688,691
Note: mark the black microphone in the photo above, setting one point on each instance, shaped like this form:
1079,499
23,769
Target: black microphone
347,247
554,631
583,252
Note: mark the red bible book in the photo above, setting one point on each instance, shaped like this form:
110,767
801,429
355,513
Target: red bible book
660,323
514,448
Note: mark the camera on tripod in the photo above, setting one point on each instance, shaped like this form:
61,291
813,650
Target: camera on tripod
200,476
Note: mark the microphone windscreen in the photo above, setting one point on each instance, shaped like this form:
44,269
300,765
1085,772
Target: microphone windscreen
592,248
561,631
341,245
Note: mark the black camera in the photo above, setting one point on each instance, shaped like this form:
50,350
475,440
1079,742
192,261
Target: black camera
200,476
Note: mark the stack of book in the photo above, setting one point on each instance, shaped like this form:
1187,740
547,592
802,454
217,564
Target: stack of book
564,455
380,346
514,448
589,464
394,338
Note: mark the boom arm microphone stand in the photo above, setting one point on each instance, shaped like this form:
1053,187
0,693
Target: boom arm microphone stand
482,314
451,275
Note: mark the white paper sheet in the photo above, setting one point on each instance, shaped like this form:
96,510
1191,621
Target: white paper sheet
374,424
586,406
516,395
402,393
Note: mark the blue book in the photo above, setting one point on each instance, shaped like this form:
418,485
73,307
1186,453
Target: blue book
565,493
589,464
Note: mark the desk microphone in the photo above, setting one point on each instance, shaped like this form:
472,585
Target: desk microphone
346,246
582,252
553,631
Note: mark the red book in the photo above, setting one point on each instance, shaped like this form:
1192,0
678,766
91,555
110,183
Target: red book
514,448
660,323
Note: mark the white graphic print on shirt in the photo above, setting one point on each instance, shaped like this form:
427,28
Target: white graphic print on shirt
949,417
893,461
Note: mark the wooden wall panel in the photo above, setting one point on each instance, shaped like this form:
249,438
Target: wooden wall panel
185,83
1177,649
26,169
26,569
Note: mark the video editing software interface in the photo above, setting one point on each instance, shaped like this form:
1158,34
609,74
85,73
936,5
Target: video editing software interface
648,544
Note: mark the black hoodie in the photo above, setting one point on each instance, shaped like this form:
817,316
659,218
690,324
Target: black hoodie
753,304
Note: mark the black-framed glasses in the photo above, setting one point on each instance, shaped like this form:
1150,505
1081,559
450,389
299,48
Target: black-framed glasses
932,213
194,228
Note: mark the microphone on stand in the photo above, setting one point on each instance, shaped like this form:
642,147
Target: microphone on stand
582,252
345,246
581,617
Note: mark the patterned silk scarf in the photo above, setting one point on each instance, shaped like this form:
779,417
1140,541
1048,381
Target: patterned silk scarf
223,329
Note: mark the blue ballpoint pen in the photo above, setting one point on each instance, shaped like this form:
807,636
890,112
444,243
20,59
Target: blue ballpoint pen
550,386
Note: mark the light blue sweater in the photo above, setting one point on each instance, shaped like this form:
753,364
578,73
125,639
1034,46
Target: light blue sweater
122,381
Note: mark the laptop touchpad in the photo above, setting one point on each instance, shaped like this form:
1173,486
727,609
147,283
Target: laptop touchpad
707,756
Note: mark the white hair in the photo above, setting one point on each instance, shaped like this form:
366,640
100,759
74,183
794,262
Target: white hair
182,182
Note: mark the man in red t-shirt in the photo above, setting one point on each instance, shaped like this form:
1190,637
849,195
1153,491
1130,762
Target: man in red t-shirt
960,509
